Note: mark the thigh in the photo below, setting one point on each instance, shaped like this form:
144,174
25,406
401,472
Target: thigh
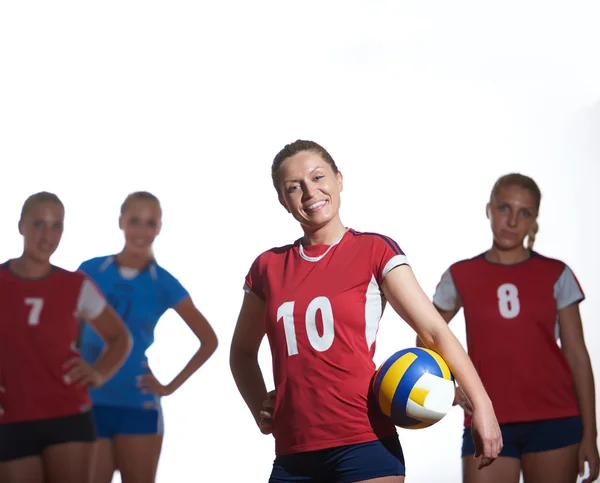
553,434
381,460
385,479
297,468
68,448
550,451
552,466
23,440
103,466
503,470
70,462
139,422
29,469
137,457
107,419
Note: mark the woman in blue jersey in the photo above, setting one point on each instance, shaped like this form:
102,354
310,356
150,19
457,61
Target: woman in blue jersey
127,410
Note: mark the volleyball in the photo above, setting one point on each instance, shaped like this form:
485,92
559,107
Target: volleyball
414,388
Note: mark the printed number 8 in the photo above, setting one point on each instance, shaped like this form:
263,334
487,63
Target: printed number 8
508,300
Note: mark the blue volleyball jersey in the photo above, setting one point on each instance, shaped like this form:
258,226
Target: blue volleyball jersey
140,297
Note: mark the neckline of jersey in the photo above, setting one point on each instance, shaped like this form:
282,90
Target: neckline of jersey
151,262
532,254
320,257
48,274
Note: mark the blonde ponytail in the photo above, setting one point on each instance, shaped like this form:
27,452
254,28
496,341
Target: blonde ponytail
531,235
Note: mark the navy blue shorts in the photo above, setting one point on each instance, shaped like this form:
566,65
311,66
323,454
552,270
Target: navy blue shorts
113,421
342,464
533,437
30,438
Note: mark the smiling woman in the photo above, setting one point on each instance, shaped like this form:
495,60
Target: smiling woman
319,300
306,188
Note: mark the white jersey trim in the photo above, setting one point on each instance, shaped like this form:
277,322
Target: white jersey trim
446,296
567,290
91,302
394,262
373,311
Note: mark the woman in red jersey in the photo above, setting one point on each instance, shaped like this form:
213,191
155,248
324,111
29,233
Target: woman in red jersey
517,305
319,300
46,425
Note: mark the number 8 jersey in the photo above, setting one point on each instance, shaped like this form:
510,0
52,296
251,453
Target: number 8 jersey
323,306
511,315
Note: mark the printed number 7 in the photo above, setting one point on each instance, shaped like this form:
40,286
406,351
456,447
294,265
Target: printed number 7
36,308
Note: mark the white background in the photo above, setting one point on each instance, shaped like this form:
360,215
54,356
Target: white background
422,104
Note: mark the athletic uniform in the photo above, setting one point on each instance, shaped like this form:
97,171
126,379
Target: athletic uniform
511,315
323,306
140,297
39,323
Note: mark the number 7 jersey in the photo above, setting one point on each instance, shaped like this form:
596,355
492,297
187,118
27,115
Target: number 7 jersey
38,328
323,306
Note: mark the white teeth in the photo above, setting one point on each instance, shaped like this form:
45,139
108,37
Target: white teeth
315,205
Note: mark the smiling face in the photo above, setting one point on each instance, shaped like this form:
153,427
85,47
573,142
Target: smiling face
141,223
309,189
42,227
512,212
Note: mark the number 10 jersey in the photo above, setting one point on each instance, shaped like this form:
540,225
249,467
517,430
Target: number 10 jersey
323,306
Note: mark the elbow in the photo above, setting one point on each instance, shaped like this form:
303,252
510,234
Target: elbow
211,343
240,358
127,340
121,342
431,337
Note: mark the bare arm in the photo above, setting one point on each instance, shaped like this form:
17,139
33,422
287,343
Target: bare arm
576,353
117,340
205,334
243,360
408,299
402,290
447,315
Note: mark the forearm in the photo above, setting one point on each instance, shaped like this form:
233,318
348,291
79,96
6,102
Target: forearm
113,356
206,350
250,382
583,382
447,345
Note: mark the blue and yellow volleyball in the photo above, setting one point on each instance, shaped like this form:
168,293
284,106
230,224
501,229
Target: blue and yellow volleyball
414,388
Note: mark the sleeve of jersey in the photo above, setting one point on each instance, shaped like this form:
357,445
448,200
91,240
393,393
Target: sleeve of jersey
446,296
567,290
253,281
176,292
387,255
91,302
83,267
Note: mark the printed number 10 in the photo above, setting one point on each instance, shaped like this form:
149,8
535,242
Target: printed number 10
319,342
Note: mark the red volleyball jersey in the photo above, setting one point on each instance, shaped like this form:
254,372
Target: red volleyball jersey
38,329
511,315
323,306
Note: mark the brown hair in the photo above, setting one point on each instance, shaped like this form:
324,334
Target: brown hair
294,148
38,198
139,196
527,183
